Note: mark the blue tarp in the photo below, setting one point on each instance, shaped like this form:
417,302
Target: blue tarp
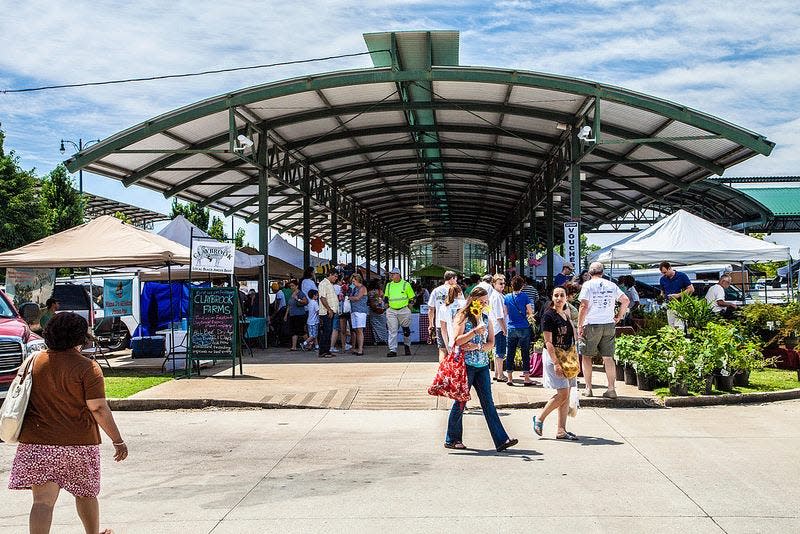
155,305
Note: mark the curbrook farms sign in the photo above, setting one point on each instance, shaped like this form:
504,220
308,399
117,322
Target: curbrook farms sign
211,256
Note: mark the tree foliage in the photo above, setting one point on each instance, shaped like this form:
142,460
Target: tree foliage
238,239
63,204
217,229
22,219
122,217
194,214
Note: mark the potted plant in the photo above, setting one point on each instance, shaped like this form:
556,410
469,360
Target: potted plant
693,311
651,366
625,348
790,330
680,354
763,320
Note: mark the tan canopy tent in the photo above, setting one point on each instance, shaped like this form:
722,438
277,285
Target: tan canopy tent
102,242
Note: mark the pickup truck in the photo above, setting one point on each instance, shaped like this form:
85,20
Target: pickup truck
17,341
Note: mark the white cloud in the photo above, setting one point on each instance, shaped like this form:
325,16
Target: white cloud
734,59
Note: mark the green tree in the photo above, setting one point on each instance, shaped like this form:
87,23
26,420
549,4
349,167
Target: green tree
238,239
217,229
22,219
122,217
194,214
62,202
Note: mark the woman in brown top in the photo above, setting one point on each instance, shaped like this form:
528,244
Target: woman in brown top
59,445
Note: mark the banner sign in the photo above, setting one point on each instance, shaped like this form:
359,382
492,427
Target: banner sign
30,285
213,326
117,297
572,240
212,256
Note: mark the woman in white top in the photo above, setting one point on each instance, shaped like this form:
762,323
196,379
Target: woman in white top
452,303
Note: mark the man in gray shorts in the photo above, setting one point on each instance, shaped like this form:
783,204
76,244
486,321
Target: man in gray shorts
597,325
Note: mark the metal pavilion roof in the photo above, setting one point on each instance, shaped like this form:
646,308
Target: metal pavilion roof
479,148
97,206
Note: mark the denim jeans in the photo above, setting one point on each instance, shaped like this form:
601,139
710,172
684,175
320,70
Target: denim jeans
477,377
325,330
499,345
519,337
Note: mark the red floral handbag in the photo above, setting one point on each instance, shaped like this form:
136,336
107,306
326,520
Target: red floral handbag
451,378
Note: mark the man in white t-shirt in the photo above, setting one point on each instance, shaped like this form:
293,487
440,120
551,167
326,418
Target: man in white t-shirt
716,297
597,323
435,306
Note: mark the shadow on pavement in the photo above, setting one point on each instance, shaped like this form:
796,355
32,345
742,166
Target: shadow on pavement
524,454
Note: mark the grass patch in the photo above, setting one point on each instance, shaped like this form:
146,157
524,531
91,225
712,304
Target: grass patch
122,383
760,381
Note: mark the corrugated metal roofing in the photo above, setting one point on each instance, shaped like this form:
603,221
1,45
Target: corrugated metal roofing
781,201
424,130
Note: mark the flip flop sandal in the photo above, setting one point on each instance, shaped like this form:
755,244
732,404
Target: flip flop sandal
509,383
457,445
507,444
569,436
537,426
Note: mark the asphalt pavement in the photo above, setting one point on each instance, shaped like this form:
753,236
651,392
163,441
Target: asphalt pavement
715,469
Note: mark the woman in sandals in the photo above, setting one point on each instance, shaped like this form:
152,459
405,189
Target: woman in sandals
358,313
59,445
559,334
474,335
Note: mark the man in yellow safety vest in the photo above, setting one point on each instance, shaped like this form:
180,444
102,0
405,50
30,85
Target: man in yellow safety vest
399,293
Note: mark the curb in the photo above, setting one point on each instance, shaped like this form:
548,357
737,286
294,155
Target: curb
135,405
144,405
731,398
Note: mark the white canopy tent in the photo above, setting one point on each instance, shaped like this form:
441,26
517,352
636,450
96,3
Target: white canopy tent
280,248
540,271
685,238
180,230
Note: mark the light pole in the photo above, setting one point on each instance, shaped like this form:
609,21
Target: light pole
80,146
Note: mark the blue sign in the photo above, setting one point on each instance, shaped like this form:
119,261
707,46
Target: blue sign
117,297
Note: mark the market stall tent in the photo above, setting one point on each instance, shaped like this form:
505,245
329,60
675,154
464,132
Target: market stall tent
281,249
180,230
685,238
104,242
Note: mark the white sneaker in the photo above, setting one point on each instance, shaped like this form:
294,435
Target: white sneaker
347,346
334,350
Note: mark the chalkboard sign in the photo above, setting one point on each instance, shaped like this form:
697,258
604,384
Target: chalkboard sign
213,325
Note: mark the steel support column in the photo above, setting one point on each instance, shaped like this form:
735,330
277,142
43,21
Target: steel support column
334,228
353,247
367,251
521,250
263,226
306,221
549,216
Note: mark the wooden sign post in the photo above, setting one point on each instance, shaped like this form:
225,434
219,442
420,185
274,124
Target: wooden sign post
213,326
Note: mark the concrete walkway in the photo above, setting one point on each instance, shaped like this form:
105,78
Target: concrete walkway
695,470
277,377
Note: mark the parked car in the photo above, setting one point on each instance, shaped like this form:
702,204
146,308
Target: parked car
17,341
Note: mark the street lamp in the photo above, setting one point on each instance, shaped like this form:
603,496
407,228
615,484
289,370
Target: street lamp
79,146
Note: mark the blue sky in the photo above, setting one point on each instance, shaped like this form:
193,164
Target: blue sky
734,59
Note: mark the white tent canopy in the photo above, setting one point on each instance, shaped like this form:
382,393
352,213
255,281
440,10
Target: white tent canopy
103,242
280,248
685,238
540,271
181,231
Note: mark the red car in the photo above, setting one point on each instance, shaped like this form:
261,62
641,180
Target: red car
17,341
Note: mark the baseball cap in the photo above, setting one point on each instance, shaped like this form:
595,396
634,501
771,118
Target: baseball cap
395,270
568,264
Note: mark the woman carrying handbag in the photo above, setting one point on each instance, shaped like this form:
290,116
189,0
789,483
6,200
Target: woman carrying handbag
560,363
519,311
473,336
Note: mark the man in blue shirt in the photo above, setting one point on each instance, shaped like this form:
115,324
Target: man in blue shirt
674,285
564,276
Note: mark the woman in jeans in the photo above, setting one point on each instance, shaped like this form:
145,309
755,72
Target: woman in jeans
59,445
475,337
518,309
558,333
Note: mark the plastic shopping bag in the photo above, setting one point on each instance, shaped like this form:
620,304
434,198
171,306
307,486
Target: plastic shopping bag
574,402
